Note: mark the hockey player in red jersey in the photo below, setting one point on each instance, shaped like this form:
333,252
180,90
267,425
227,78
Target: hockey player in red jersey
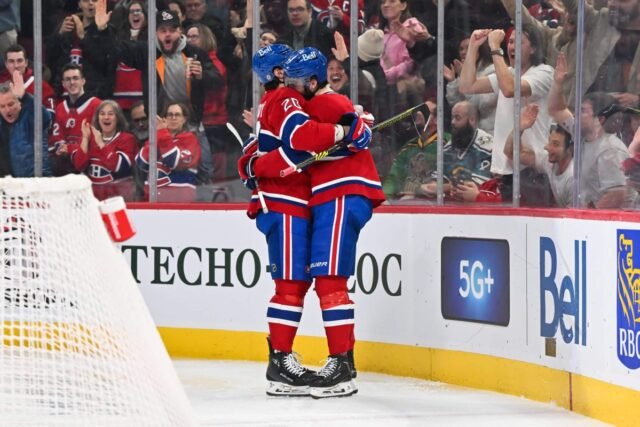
284,127
67,126
345,188
106,153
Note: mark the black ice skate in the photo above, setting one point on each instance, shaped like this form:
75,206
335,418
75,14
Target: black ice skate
335,379
286,376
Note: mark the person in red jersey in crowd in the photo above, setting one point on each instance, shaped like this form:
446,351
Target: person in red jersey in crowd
15,58
106,152
75,108
178,156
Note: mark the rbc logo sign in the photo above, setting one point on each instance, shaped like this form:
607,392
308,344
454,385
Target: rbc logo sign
567,292
628,298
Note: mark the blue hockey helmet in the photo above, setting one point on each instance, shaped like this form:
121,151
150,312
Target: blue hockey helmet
268,58
306,63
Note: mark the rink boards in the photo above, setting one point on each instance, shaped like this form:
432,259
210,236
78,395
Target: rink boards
530,304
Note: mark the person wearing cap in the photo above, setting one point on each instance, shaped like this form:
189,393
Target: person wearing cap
184,72
370,48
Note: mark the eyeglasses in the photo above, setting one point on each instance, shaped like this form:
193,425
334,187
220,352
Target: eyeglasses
135,11
174,115
297,10
140,120
71,79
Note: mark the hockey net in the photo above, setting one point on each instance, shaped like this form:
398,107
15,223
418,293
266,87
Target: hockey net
78,345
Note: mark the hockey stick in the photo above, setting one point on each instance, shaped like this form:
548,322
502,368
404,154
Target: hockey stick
263,203
630,110
340,145
616,108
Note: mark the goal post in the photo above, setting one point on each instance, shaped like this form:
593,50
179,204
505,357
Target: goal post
78,346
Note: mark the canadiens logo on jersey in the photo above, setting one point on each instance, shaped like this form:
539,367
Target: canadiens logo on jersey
99,174
75,56
71,123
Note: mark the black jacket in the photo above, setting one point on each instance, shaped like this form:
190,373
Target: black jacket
95,65
318,36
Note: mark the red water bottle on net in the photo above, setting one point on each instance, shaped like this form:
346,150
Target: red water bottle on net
116,219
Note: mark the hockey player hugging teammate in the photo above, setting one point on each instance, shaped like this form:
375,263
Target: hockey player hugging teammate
342,190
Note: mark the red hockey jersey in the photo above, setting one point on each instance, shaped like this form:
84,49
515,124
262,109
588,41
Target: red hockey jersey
346,174
127,87
321,11
178,158
48,95
285,127
106,164
67,126
67,129
109,168
215,100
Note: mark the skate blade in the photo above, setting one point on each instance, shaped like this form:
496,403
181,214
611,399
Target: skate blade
339,390
280,389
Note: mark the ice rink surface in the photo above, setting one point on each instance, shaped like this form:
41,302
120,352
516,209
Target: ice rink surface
229,393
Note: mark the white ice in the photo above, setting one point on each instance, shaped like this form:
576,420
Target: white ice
230,393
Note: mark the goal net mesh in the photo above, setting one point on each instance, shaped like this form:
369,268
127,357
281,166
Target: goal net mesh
78,345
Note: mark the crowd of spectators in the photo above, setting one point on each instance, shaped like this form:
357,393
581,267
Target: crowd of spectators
95,89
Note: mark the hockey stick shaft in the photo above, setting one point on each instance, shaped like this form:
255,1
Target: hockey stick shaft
235,133
263,203
340,145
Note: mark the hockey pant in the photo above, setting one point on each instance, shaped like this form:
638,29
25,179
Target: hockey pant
288,239
336,227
